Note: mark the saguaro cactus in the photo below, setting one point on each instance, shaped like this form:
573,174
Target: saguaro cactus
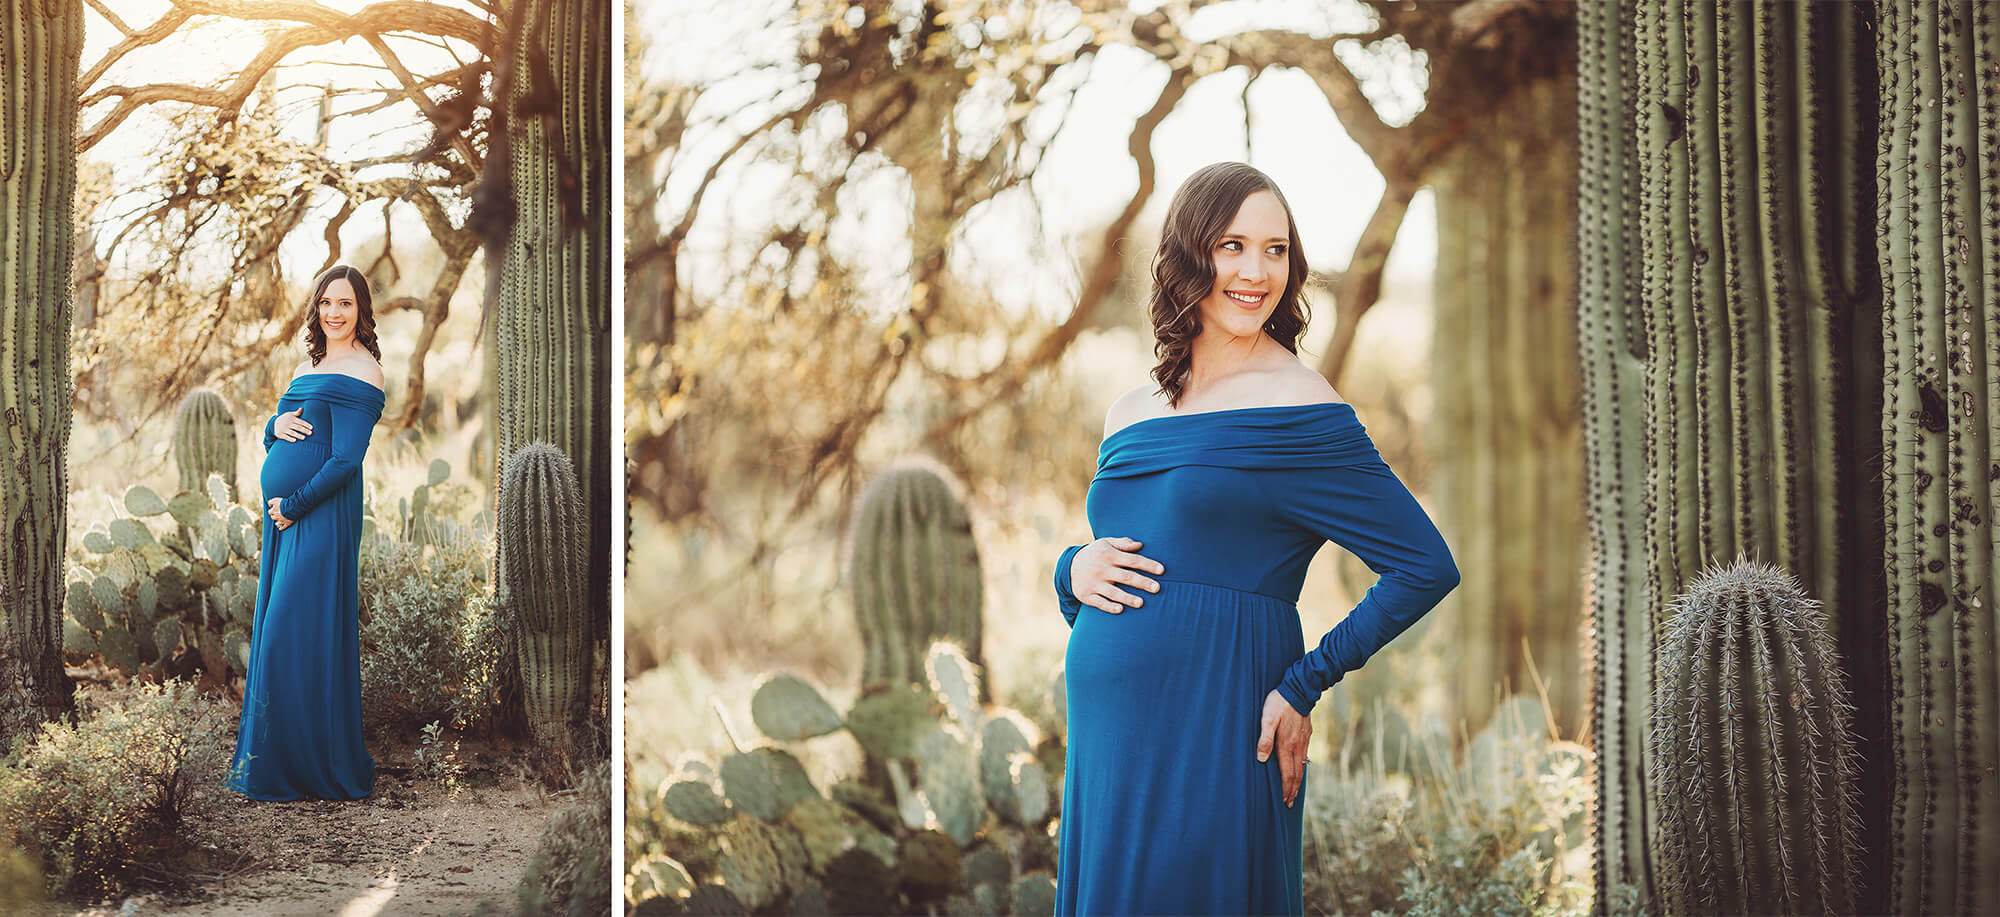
552,358
1752,748
205,440
1729,319
915,573
39,46
1939,224
542,586
1507,438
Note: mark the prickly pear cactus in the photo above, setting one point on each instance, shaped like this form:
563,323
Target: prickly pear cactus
542,573
182,600
1752,746
205,440
915,575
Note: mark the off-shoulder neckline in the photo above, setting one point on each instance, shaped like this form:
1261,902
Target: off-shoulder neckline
343,376
1194,414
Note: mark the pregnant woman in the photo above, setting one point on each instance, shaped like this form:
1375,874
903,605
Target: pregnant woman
300,736
1189,687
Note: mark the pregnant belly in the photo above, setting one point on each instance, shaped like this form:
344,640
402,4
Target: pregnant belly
1187,633
288,466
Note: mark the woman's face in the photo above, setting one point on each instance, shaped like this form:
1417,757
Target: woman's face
1252,266
338,311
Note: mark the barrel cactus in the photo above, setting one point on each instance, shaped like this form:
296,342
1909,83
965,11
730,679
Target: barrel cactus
205,440
915,574
542,586
1752,747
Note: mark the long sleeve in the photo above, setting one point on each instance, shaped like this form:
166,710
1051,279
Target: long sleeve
349,437
1071,605
271,433
1366,509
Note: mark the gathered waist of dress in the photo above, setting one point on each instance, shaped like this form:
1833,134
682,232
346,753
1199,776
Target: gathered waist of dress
1169,584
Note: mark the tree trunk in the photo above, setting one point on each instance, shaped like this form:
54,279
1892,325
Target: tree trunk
39,45
1507,439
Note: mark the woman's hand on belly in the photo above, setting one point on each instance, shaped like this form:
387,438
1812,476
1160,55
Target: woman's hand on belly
292,426
271,506
1097,571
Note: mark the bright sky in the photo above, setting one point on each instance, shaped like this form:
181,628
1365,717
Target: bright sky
209,50
1087,176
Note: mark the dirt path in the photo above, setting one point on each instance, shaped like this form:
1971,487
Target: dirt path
412,848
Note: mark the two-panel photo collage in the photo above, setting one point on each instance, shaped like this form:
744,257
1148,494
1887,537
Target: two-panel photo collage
994,457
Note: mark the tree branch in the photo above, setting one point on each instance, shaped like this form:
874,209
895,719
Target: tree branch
1360,286
1266,48
326,26
1103,276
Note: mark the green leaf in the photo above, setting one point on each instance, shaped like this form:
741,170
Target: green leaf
130,533
109,598
76,639
167,636
789,709
439,473
118,648
149,599
218,491
82,606
187,508
140,500
98,542
237,647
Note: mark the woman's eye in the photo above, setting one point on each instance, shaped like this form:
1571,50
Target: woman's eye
1231,245
1278,250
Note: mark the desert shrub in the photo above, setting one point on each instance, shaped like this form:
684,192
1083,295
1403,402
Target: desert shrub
422,611
570,872
98,802
1495,830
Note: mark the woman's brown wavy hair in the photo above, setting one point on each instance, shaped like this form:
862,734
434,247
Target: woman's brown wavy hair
1184,268
364,311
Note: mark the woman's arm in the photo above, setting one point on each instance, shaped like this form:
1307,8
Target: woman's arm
1071,605
1367,510
271,431
349,431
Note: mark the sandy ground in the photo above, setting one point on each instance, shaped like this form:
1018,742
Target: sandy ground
413,847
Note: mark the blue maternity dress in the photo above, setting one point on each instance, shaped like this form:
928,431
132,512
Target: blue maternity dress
300,736
1166,809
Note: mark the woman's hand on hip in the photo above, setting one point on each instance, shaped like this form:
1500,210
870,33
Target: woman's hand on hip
271,506
1286,733
292,426
1096,572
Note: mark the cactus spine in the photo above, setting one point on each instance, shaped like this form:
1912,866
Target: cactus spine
915,574
205,440
39,47
1762,818
543,586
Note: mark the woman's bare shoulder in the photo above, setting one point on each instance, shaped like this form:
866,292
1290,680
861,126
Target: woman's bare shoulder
362,367
1135,405
1298,383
